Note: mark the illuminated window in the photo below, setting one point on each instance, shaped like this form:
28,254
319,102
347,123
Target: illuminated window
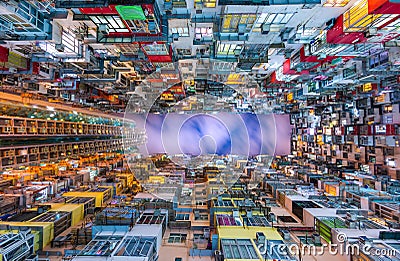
229,49
205,3
113,22
238,23
388,109
336,3
357,18
179,3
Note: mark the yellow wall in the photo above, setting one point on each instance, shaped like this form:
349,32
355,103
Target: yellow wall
111,188
47,227
77,212
97,195
36,237
232,232
157,179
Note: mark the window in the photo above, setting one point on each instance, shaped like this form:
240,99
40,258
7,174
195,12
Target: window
32,17
229,49
205,3
238,23
20,25
272,19
388,108
255,50
200,216
394,26
201,203
177,238
336,3
372,159
305,32
182,216
182,31
184,52
128,49
113,22
70,41
198,236
156,49
383,20
179,3
387,119
238,249
203,32
357,18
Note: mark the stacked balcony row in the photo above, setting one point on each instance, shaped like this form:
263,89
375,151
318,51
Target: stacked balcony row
24,155
38,127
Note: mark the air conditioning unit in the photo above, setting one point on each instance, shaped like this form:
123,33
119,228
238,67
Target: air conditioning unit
371,32
152,26
89,40
13,70
60,47
249,213
317,238
242,29
32,258
103,28
330,23
286,234
285,36
363,240
265,28
141,56
260,237
219,256
175,36
272,217
168,5
288,54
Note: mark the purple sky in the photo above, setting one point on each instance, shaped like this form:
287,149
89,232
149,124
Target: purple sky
221,133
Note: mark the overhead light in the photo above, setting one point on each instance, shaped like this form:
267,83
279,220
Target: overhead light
50,108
